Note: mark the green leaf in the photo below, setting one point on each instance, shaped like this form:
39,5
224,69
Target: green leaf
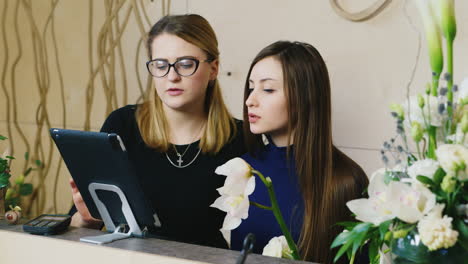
26,189
438,176
425,180
341,239
4,181
373,250
26,156
342,250
354,237
383,228
2,137
348,224
38,163
10,157
463,233
26,173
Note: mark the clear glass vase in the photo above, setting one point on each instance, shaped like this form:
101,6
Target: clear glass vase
411,250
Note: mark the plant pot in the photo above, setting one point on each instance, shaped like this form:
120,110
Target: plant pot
411,250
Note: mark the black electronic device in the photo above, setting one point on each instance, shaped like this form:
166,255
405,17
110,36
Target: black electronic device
98,163
47,224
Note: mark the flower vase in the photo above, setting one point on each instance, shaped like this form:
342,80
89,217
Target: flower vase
2,202
411,250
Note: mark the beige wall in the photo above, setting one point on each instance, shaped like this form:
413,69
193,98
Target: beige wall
370,64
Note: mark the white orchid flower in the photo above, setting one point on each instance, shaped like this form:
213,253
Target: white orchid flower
411,202
277,247
239,177
377,208
453,158
234,199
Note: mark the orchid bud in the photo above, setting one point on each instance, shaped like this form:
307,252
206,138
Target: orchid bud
428,88
448,184
400,233
398,109
416,131
464,123
445,17
421,102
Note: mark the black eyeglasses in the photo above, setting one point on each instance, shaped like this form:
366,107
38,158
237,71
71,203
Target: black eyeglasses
184,67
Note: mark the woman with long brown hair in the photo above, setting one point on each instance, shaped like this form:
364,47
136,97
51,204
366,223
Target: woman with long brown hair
180,135
288,103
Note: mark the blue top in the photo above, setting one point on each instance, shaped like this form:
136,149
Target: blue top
262,223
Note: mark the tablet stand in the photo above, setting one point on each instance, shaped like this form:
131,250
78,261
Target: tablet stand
118,232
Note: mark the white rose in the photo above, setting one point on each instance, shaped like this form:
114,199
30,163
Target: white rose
426,167
277,247
452,157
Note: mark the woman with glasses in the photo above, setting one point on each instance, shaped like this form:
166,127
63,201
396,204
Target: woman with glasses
287,99
178,137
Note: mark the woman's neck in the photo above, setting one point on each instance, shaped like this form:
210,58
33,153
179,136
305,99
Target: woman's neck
185,127
281,140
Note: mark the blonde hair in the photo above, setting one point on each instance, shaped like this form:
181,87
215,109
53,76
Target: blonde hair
152,122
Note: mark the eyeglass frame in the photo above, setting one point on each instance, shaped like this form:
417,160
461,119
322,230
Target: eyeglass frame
197,63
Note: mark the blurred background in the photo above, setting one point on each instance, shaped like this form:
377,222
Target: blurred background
68,64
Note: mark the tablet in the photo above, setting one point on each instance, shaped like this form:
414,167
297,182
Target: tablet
99,157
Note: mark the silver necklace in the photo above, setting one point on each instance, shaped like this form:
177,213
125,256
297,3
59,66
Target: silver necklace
179,156
180,161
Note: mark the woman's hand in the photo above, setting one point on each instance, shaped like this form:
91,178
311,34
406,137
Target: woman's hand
82,218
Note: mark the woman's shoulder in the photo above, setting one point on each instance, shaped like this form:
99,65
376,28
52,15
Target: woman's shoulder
120,118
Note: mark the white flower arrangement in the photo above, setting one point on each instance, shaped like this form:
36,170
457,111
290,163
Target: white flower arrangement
426,194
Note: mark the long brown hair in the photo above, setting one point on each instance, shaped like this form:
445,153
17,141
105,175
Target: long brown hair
150,115
327,177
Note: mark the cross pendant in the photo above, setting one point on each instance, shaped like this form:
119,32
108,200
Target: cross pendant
179,160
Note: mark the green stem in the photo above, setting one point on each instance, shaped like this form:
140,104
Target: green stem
450,82
419,151
261,206
448,125
435,83
278,215
432,143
